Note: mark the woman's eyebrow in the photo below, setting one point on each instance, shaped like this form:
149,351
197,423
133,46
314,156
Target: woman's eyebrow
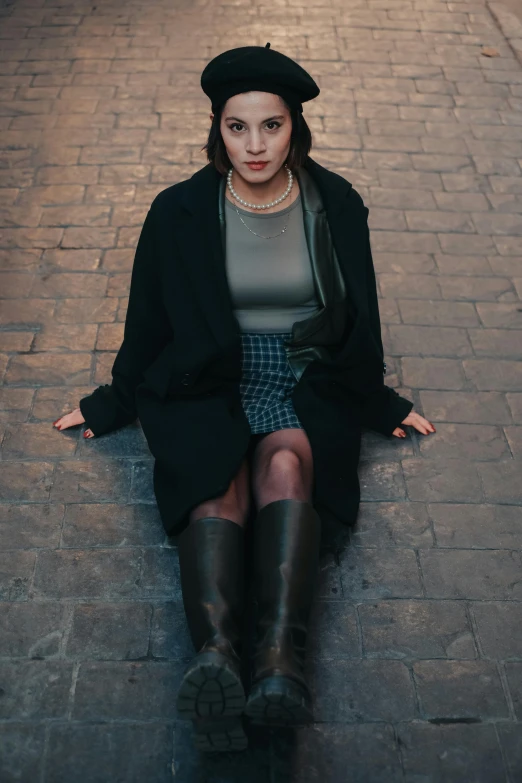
277,117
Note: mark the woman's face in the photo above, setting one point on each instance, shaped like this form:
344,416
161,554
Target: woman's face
256,126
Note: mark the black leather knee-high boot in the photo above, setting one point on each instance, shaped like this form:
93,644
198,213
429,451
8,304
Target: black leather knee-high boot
286,542
211,556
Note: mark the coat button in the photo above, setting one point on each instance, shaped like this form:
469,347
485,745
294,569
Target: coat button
185,380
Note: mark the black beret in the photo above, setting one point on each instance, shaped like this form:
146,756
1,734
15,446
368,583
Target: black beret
256,68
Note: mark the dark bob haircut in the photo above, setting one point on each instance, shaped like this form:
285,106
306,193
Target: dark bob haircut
300,141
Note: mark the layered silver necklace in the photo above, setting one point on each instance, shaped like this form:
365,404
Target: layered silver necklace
261,206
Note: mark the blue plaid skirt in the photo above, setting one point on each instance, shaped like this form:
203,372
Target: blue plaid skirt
266,383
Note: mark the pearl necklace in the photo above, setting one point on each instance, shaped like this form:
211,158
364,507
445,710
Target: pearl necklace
260,206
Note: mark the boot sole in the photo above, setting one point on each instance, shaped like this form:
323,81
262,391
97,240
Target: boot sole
211,695
278,701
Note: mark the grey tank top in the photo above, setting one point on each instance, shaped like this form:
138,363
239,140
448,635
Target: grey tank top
270,280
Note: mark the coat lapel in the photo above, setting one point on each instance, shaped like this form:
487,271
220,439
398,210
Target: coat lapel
347,231
203,254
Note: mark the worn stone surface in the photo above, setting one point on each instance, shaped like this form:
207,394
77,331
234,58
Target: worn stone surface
415,648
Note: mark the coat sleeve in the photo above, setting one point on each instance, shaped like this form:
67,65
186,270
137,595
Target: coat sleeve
146,332
383,410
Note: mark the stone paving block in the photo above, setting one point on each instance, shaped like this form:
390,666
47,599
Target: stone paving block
354,691
463,265
376,446
501,481
442,480
511,741
99,753
403,263
169,634
459,689
112,690
30,629
22,748
505,265
30,481
142,489
505,316
410,286
15,404
438,313
392,524
160,573
369,574
494,374
110,524
514,678
49,370
450,754
477,575
97,480
416,629
333,631
474,288
52,402
253,764
118,631
381,481
432,373
499,629
66,338
88,573
331,751
467,441
463,406
34,690
472,526
37,440
86,310
496,342
35,525
328,583
126,442
429,340
16,572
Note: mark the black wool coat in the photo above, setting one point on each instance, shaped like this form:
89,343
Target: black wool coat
179,366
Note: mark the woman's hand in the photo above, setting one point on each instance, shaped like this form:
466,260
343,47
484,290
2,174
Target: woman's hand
72,420
415,420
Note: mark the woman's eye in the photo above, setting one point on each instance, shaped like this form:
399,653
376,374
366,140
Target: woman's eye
238,125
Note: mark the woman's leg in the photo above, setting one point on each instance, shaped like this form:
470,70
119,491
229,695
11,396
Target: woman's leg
234,504
287,535
211,558
282,467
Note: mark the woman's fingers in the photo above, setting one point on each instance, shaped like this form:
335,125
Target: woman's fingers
69,420
399,433
419,422
88,434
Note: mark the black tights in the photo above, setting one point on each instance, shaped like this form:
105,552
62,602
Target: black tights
277,465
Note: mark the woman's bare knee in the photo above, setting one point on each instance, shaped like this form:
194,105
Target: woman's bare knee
284,461
282,468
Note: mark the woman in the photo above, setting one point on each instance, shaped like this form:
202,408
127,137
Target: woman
252,353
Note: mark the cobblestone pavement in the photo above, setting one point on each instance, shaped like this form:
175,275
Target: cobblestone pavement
416,652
